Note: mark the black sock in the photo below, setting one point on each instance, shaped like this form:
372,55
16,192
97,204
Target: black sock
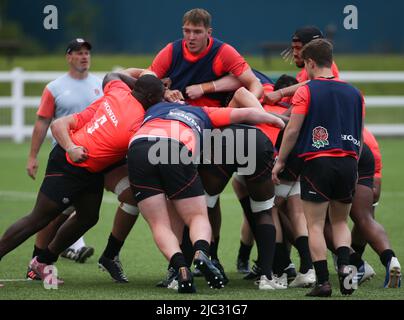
113,247
37,251
202,245
244,251
187,247
214,245
178,260
355,259
265,239
302,246
246,205
47,257
386,256
281,258
343,256
358,248
321,271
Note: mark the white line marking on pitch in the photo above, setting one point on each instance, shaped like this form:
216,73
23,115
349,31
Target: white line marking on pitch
15,280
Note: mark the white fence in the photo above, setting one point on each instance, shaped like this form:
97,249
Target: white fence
19,102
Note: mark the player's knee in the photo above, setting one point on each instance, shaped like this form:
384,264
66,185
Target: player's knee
89,219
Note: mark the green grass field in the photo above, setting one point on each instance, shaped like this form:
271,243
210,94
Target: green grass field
142,261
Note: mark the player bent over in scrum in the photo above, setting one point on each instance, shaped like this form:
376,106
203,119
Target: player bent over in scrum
157,170
89,142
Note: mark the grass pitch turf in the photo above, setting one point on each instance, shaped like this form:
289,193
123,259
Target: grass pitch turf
143,263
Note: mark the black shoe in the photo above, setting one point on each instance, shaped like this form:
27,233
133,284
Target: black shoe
84,253
243,266
255,273
185,281
171,275
211,273
218,265
197,273
114,268
346,286
320,290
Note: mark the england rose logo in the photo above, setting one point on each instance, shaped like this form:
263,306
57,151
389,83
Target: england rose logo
320,137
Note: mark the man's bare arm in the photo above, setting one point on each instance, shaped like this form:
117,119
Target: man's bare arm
288,142
38,135
275,96
227,83
251,82
61,131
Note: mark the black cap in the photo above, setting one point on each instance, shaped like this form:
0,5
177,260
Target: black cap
306,34
76,44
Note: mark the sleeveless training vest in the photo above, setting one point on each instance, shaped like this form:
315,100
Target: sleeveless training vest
193,117
334,119
184,73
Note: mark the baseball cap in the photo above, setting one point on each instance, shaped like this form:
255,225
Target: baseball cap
76,44
306,34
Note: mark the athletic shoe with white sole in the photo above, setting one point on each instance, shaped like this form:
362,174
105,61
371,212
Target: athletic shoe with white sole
31,275
365,272
84,253
43,271
265,284
304,280
80,255
283,279
393,274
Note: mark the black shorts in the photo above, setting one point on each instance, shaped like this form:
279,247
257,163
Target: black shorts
176,180
117,164
64,182
328,178
293,165
293,168
366,167
259,161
